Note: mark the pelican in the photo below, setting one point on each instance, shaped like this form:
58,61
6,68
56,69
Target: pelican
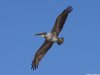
51,37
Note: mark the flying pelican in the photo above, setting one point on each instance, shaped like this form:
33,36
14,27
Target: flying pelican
51,37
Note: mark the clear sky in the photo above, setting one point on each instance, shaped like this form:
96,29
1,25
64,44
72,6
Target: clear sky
78,55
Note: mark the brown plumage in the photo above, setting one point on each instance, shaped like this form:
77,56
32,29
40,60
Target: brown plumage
61,20
40,53
51,37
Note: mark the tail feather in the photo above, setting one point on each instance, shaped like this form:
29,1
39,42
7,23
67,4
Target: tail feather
60,41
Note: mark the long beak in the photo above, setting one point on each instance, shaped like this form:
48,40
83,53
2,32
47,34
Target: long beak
38,34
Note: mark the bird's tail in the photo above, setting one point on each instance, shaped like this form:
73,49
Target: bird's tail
60,41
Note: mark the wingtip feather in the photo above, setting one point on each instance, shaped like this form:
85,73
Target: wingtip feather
34,65
69,9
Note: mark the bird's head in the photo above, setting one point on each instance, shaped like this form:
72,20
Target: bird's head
43,34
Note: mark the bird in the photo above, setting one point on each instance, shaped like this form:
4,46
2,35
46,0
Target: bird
51,37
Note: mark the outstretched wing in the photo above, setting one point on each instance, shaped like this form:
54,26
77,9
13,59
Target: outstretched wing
61,20
40,53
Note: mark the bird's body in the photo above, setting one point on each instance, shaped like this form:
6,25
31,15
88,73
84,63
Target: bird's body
51,37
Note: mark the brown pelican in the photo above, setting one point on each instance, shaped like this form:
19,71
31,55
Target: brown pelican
51,37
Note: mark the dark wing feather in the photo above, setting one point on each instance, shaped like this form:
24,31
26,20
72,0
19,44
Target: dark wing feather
61,20
40,54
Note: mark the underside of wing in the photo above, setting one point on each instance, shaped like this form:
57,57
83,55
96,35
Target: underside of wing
40,54
61,20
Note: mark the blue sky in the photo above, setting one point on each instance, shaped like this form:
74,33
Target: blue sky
78,55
